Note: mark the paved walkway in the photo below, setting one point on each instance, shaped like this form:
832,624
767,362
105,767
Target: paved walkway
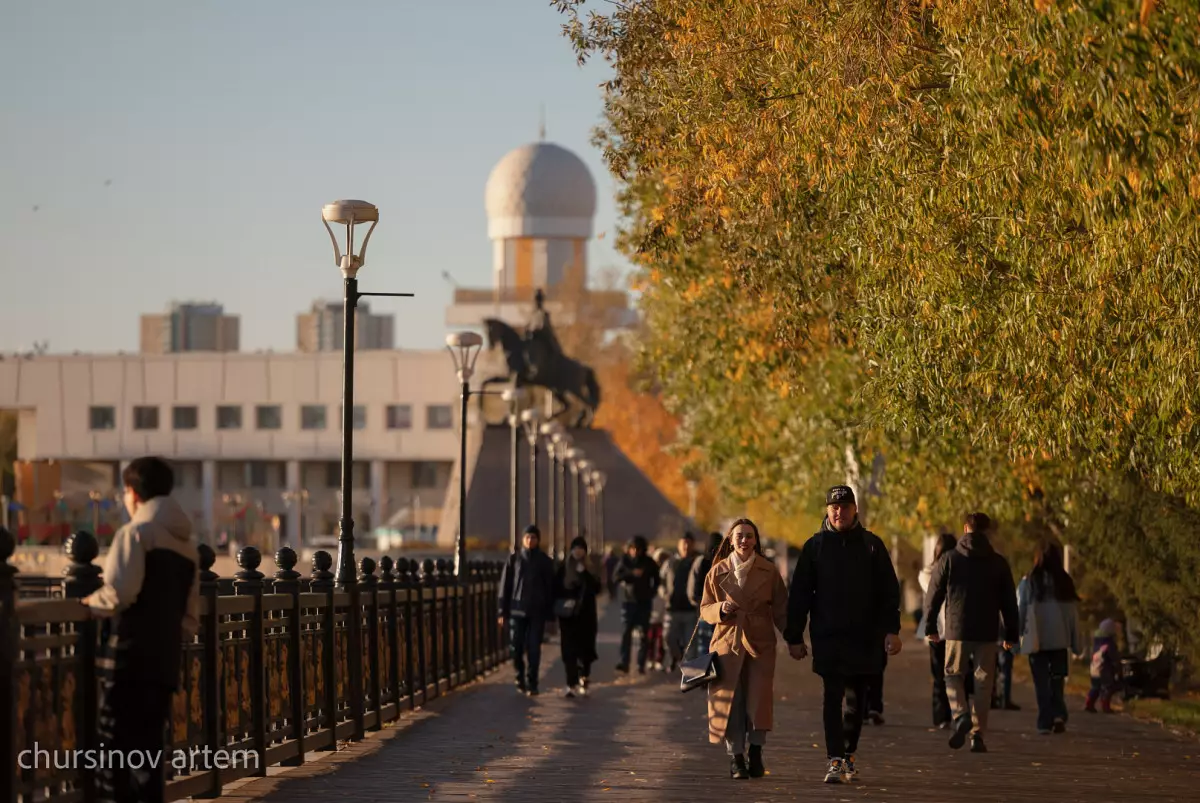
639,739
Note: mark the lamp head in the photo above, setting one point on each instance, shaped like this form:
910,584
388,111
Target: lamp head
350,214
514,396
464,348
598,478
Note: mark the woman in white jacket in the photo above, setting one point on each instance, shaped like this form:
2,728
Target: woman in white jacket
1046,601
937,651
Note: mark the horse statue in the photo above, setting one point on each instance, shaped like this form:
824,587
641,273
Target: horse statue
535,360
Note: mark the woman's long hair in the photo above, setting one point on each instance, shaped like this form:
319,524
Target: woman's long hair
945,543
726,548
1049,576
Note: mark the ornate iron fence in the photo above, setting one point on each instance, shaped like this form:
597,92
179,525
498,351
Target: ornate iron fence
265,681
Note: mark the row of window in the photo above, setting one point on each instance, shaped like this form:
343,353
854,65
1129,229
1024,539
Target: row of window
259,475
268,417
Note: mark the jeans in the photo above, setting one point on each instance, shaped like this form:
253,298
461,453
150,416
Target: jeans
704,635
960,656
133,717
680,625
1049,669
842,729
635,616
741,726
525,641
1004,668
937,668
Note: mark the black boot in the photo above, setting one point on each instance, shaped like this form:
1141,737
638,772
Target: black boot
757,770
737,768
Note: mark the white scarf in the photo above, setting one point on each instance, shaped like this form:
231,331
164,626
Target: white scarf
741,569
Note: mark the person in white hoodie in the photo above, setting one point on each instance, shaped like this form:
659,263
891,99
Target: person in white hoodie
1049,615
942,715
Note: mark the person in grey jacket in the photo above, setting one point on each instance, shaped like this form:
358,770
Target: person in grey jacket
1049,616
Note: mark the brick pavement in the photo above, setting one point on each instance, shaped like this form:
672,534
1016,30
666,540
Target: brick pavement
639,739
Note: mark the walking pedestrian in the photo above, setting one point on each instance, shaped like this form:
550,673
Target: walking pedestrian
1002,694
611,561
1049,616
637,578
845,590
152,588
700,570
576,608
1106,662
745,599
682,612
942,717
526,604
975,583
658,614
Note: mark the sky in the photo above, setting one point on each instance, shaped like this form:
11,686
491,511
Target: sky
224,127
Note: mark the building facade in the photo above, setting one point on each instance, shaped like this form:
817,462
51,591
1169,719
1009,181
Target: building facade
323,328
190,326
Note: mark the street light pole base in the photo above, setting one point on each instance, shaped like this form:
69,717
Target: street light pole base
347,572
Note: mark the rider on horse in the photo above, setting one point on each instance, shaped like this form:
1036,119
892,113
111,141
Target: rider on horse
541,344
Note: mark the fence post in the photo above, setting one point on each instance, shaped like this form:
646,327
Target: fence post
287,581
322,582
369,588
249,582
83,578
387,584
10,637
404,570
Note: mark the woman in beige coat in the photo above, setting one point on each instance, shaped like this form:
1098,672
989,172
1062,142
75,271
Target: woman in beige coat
745,599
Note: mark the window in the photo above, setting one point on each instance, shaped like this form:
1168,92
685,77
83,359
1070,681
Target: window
102,418
399,416
268,416
257,474
439,416
184,418
312,416
229,417
145,417
424,475
333,475
360,416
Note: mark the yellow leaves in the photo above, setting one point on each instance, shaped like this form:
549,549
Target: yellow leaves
658,214
1134,177
1146,11
1194,187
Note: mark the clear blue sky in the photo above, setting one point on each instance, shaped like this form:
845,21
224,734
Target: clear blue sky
224,127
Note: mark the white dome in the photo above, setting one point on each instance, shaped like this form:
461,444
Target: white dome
540,190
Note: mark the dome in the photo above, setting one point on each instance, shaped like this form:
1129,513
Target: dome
540,190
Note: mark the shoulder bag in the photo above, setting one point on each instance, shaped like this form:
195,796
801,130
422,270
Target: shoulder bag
699,671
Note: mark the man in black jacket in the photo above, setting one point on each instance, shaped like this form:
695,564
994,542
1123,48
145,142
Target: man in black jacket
151,594
637,577
975,583
526,603
682,613
845,590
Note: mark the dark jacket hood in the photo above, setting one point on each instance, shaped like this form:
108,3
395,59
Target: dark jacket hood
975,545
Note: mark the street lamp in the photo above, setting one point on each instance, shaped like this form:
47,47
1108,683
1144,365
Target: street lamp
693,485
562,443
579,467
464,348
529,422
549,430
598,481
515,397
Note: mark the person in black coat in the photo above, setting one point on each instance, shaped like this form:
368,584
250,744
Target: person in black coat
526,604
844,589
577,616
637,579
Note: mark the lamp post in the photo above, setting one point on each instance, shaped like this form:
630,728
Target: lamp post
578,467
562,444
693,485
464,348
530,419
598,481
549,430
514,396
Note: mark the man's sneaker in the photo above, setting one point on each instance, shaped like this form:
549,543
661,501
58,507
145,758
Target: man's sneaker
1043,731
849,771
977,745
875,718
1059,726
959,737
583,687
623,668
1011,706
533,692
569,693
836,772
520,687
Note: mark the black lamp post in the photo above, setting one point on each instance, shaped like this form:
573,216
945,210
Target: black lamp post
562,444
573,457
598,481
549,430
464,349
583,476
530,419
514,396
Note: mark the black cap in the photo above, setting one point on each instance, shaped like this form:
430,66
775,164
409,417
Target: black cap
840,495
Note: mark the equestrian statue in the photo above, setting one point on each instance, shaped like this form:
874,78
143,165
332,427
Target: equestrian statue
536,358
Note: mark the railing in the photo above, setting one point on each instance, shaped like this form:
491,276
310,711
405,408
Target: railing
266,679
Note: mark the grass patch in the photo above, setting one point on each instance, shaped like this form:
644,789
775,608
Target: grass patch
1182,714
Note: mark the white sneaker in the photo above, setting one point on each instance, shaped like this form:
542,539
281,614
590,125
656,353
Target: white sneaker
569,693
582,690
836,772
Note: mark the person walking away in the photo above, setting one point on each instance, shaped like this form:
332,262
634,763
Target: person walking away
151,596
577,590
745,600
611,561
975,584
1002,695
1049,616
942,717
637,578
700,570
526,604
682,613
845,591
1106,663
658,613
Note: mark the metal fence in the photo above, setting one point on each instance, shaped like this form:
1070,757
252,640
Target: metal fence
268,678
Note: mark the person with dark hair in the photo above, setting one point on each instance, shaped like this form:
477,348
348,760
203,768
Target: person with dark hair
845,591
1049,616
577,617
151,596
745,599
937,647
682,612
526,604
637,577
700,569
975,583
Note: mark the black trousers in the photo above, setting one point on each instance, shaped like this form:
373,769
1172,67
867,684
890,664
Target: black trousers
843,728
875,691
937,668
132,724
